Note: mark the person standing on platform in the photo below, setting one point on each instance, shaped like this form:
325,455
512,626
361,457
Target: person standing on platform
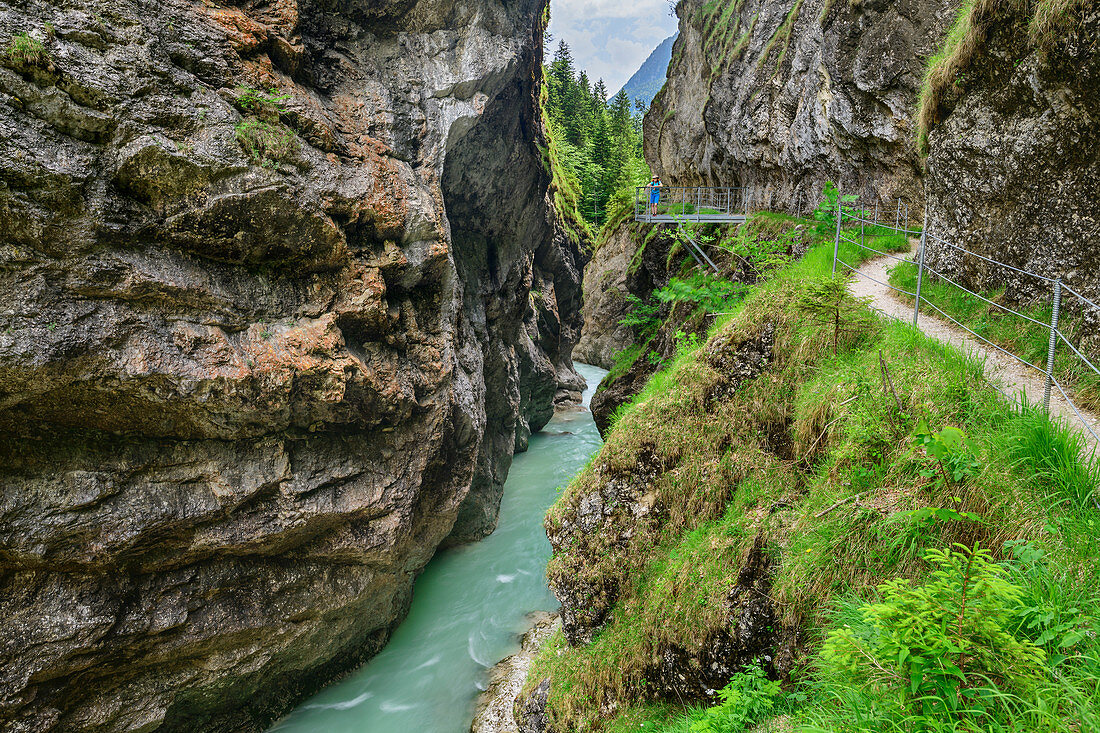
654,195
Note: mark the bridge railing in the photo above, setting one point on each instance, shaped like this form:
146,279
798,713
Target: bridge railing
690,203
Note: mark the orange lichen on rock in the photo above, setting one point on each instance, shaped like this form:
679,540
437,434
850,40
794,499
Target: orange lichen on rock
244,34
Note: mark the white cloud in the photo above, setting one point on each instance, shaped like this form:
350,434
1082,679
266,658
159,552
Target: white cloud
610,38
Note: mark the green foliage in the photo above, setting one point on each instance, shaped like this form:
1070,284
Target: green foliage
746,700
265,105
945,649
1054,457
267,143
641,317
704,289
24,50
825,213
953,451
828,302
600,139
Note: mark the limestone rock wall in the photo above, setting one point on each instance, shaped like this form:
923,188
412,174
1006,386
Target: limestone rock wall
1013,165
605,299
257,359
783,95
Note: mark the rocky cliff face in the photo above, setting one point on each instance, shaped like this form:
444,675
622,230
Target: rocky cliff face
783,95
605,303
281,293
1013,166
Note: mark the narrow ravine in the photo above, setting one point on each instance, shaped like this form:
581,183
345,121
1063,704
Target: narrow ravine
469,605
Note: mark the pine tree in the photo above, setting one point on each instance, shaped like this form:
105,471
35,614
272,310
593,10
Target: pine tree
620,117
599,94
560,79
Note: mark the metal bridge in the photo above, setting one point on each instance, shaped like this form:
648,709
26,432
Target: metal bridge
678,204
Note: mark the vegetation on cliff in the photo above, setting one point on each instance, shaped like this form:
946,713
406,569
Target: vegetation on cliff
597,141
1040,21
871,524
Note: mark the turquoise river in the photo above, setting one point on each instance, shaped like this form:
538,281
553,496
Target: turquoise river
469,605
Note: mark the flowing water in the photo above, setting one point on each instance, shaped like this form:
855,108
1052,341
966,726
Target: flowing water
468,608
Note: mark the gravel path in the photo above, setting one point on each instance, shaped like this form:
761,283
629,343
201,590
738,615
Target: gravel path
1008,373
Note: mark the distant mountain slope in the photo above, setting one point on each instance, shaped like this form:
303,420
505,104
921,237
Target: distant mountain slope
650,77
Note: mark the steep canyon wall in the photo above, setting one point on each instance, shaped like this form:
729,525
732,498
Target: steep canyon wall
281,293
784,96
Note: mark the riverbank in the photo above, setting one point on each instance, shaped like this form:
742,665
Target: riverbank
469,607
495,712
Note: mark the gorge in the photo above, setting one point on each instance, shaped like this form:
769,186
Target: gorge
283,291
285,286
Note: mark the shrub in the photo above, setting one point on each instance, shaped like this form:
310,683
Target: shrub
945,650
746,700
828,302
265,105
641,317
825,213
25,50
266,143
703,289
953,451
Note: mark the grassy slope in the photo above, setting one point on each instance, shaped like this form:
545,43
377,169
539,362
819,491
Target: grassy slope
723,485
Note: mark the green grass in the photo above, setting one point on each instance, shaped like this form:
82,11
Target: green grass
24,50
781,38
266,143
814,458
1027,340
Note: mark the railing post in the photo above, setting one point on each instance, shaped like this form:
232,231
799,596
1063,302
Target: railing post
876,209
897,215
839,216
1053,343
920,267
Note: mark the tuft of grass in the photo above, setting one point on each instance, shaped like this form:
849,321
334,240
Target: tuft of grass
25,51
1053,456
267,143
1046,20
781,38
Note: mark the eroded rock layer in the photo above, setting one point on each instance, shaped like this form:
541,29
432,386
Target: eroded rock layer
280,293
783,95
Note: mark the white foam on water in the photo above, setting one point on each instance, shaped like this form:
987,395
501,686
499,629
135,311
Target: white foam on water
430,663
343,704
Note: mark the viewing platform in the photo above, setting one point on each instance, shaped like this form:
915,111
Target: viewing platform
692,204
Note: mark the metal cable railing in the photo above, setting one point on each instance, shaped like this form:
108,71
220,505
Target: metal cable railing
854,216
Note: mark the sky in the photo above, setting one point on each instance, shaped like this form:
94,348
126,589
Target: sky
610,38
